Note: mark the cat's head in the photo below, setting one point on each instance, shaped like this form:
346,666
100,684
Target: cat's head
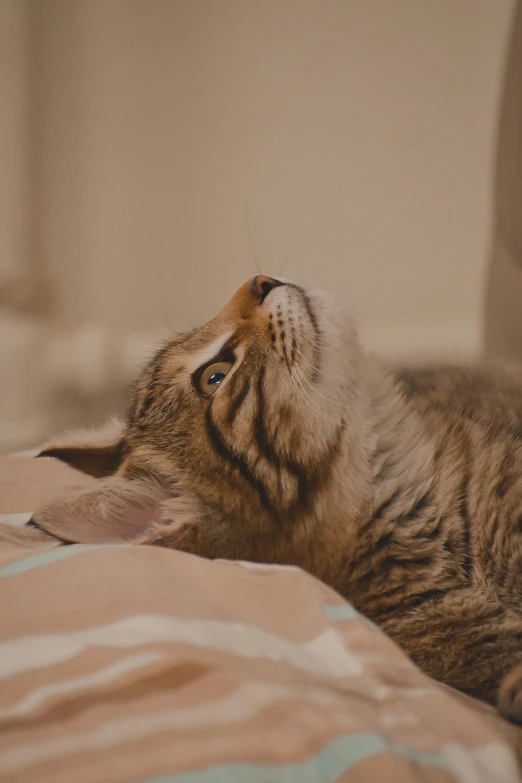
250,412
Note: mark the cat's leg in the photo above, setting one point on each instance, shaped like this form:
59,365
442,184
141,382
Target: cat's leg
468,640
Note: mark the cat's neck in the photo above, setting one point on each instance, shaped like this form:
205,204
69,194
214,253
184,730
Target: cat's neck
399,452
387,464
389,453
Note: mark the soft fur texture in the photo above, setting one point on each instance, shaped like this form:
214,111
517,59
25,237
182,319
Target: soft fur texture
402,490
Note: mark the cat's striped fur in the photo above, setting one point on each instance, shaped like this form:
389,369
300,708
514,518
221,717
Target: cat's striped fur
403,490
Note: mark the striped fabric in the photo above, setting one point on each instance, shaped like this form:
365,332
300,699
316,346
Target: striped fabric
122,663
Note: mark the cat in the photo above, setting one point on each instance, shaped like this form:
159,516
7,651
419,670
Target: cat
268,434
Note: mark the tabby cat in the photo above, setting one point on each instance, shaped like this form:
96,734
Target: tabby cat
268,435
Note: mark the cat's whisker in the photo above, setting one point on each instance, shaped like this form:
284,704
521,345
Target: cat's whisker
332,378
307,360
250,242
301,393
310,403
281,259
315,391
305,397
310,341
295,380
317,369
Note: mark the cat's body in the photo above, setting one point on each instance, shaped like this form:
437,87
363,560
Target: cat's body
451,560
268,435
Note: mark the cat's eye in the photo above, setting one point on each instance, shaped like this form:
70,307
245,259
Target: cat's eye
211,377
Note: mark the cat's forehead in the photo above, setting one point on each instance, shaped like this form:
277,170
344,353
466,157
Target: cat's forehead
191,349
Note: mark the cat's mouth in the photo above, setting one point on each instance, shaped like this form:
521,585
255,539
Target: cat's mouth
294,328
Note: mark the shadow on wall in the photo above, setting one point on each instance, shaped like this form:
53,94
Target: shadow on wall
503,324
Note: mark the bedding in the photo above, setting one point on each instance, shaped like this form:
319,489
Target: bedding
126,663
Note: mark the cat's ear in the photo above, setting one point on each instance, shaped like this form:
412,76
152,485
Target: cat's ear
97,452
115,510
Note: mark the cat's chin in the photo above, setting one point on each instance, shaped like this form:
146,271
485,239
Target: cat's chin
339,340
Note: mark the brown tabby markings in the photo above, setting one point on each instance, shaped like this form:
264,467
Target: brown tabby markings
403,490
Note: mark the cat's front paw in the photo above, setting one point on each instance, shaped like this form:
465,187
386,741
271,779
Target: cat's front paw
510,695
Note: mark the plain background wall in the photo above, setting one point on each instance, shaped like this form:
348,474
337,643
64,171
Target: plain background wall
151,148
354,137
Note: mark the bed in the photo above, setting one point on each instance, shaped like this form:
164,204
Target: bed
125,663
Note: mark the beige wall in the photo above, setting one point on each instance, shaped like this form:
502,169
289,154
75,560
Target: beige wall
15,140
352,139
357,136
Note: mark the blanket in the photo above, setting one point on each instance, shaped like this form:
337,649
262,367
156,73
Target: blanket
126,663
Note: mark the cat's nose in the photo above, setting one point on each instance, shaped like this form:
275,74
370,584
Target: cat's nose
246,301
262,285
